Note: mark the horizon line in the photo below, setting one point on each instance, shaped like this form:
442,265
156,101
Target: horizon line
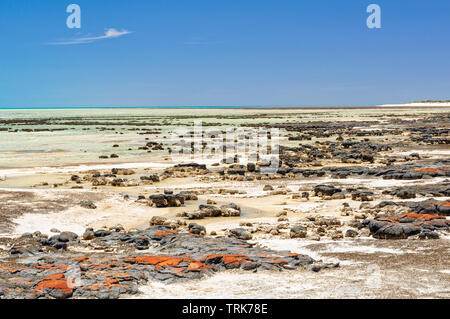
398,105
180,106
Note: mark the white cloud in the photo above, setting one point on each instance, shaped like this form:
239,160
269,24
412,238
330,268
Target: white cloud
109,34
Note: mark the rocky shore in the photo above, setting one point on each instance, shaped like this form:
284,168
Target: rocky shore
43,267
113,227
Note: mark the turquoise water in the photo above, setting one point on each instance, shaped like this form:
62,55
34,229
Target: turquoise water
81,135
155,107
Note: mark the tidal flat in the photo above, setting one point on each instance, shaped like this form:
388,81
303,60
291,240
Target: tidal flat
97,203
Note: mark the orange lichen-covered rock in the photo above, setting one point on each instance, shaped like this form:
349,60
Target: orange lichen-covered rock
234,259
226,258
444,203
426,217
44,267
55,276
158,261
170,261
99,266
413,216
165,233
196,266
94,287
11,270
427,170
122,275
57,288
390,220
112,281
277,261
106,275
176,269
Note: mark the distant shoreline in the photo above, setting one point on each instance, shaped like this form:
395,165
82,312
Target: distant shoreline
182,107
386,106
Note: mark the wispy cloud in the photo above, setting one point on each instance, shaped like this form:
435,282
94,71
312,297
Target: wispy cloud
109,34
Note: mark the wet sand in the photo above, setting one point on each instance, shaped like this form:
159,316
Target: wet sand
46,198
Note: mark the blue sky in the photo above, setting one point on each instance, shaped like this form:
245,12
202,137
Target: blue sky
223,52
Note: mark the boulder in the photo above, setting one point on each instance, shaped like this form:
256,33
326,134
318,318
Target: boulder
196,229
351,233
189,195
88,234
230,212
241,233
388,230
141,243
326,190
210,211
194,215
406,194
429,235
173,201
67,236
298,232
158,220
102,233
159,200
88,204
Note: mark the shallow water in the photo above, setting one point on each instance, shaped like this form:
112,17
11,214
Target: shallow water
369,268
88,132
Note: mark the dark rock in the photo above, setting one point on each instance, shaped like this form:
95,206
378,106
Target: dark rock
102,233
159,200
60,245
351,233
196,229
67,237
429,235
241,233
141,243
188,195
406,194
88,204
327,190
174,201
388,230
158,220
298,232
88,235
